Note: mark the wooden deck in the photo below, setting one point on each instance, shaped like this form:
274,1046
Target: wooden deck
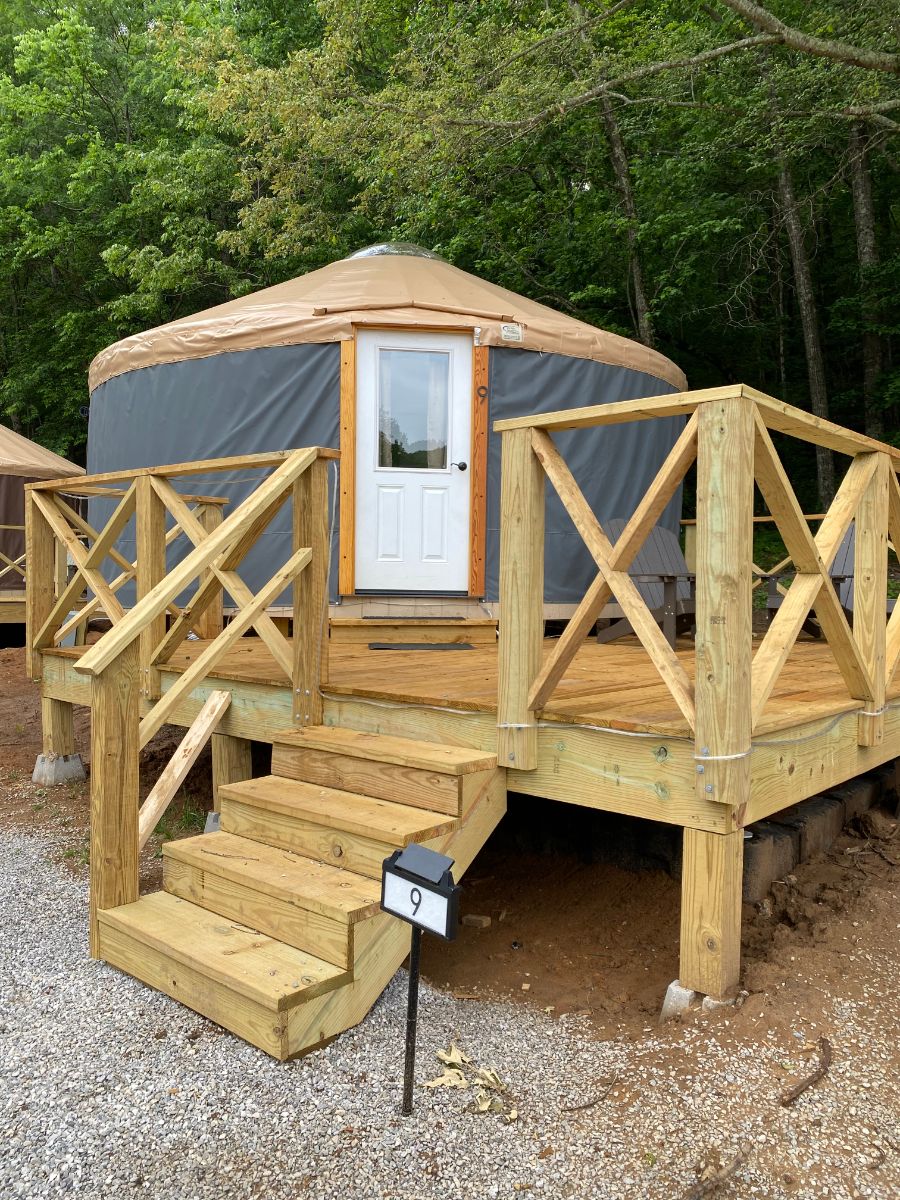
711,735
611,686
610,737
614,686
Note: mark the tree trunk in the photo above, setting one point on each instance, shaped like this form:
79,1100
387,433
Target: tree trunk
809,321
623,183
867,252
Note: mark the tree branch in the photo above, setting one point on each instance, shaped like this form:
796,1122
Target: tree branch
568,31
575,102
796,39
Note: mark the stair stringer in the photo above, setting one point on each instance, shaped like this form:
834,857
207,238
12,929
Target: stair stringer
384,940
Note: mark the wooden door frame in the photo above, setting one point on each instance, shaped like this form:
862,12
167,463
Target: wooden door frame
478,459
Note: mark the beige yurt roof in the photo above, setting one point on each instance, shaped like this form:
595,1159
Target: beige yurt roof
19,456
392,285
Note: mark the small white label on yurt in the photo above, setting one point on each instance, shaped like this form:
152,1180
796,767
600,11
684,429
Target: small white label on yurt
512,333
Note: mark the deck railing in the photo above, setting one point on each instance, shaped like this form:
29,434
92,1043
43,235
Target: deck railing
125,665
11,569
728,435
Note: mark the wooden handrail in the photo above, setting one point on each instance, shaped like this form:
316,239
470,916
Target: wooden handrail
99,656
208,466
784,418
763,520
126,665
729,433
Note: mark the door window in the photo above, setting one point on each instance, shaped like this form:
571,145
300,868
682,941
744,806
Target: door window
413,409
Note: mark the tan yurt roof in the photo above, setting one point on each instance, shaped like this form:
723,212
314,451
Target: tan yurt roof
19,456
392,285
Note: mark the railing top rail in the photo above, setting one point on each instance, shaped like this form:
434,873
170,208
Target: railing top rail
765,520
784,418
291,466
208,466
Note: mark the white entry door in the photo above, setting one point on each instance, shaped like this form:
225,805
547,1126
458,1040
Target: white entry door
413,443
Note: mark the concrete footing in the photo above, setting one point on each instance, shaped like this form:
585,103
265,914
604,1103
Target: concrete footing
710,1005
678,1000
53,769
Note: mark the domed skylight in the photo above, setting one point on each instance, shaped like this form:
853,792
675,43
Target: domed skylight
406,248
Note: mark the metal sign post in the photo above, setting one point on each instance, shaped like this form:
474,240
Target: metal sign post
417,887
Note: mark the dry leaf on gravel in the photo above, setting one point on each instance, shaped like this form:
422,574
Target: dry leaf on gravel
450,1077
489,1078
454,1057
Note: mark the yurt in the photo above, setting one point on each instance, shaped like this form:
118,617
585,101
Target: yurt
403,362
21,462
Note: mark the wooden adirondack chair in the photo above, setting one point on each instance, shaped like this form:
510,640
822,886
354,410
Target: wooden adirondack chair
661,575
842,577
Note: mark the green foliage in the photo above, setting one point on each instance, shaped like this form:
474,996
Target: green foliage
159,156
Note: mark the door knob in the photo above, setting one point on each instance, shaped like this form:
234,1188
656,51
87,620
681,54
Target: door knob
460,465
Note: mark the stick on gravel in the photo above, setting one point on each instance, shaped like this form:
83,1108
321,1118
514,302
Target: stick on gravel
597,1099
789,1096
707,1186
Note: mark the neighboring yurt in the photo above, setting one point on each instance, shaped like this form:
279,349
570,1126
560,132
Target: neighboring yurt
403,362
21,462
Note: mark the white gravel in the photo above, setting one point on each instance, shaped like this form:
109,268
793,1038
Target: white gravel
110,1089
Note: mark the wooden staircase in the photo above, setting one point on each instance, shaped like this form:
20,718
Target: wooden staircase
272,926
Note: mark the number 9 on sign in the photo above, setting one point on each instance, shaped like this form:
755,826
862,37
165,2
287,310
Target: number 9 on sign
417,886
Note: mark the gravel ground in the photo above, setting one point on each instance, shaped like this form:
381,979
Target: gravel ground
110,1089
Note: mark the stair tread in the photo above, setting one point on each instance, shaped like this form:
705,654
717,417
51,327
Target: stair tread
317,886
404,752
379,820
258,967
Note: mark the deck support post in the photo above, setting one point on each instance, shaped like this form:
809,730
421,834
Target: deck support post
711,874
231,762
57,763
58,727
115,720
521,598
870,589
713,863
150,568
310,528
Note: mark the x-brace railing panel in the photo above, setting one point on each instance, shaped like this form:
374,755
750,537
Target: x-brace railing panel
222,576
812,586
613,562
73,531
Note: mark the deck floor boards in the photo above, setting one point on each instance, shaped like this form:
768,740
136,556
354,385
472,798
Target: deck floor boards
614,686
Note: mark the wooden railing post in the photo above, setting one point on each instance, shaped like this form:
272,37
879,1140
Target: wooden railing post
115,718
150,567
870,596
521,598
310,528
211,621
711,892
40,582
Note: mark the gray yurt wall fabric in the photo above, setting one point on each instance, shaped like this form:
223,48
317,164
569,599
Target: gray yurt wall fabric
613,466
283,397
